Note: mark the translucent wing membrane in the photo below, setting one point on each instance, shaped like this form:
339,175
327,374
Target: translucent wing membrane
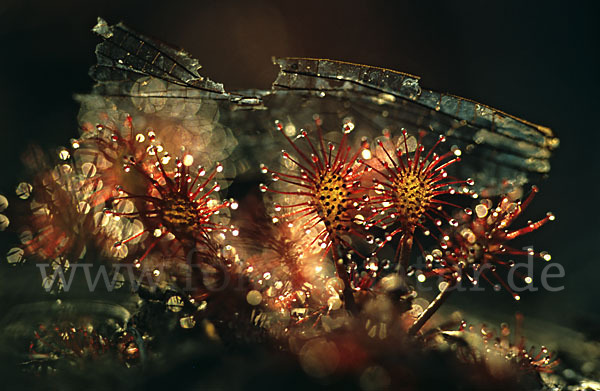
148,80
300,73
496,144
125,55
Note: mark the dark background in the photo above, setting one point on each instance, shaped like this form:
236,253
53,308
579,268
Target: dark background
536,61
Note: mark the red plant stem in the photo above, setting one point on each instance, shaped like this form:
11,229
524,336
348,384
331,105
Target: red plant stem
433,307
403,251
348,293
